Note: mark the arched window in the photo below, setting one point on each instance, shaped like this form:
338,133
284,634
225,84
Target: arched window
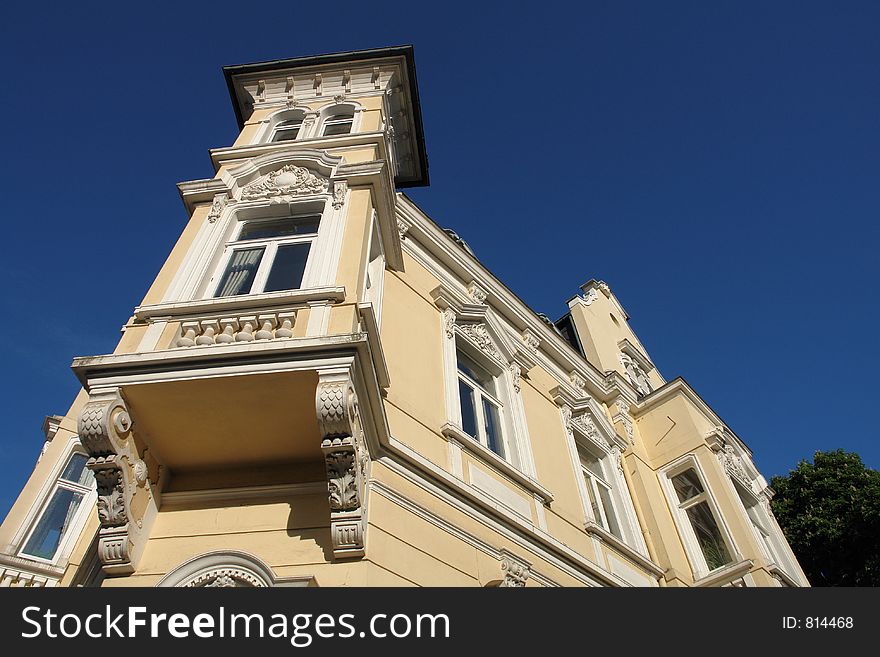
338,121
287,130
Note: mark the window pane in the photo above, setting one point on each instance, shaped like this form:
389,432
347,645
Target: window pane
288,267
592,464
76,472
476,372
341,128
594,503
53,524
285,134
613,526
279,228
240,272
468,410
687,485
493,427
708,535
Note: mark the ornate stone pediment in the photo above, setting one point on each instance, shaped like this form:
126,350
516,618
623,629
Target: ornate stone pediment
479,335
288,181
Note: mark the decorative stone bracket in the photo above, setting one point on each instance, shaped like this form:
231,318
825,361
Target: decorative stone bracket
126,506
516,571
346,461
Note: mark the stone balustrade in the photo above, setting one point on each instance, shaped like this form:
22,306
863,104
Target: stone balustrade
242,328
19,578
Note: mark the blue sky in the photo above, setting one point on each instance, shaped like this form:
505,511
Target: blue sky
716,163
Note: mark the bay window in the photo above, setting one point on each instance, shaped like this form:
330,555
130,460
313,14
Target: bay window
267,256
695,507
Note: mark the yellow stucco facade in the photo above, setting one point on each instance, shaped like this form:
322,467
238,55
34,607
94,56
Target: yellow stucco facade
322,387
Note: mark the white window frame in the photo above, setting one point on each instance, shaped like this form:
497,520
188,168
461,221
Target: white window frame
282,126
514,430
374,270
334,110
270,249
74,530
766,532
480,393
599,445
593,482
699,566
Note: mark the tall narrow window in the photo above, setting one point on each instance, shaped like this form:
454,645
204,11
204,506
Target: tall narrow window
287,130
693,501
59,513
480,407
599,492
339,123
267,256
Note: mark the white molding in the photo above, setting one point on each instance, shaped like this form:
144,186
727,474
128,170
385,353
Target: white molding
633,555
171,311
725,574
392,495
484,509
257,572
501,466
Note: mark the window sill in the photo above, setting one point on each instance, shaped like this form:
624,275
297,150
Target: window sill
725,574
640,559
31,565
492,459
181,309
773,569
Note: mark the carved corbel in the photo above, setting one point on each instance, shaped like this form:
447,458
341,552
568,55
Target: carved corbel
121,476
346,462
516,571
622,417
339,188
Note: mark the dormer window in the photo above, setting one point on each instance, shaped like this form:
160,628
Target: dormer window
339,122
287,130
267,256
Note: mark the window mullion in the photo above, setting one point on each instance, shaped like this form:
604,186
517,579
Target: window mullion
481,417
265,267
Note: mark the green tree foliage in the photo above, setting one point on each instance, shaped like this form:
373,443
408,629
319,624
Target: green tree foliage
830,512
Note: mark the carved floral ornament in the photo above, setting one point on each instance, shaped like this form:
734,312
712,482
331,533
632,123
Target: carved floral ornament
515,570
225,578
104,427
346,461
289,180
479,335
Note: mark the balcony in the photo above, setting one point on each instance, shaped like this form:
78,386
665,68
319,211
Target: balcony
239,398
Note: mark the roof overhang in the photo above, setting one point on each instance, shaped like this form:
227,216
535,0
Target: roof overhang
236,76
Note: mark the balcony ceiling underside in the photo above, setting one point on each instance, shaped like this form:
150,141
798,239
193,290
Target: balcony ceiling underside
230,422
